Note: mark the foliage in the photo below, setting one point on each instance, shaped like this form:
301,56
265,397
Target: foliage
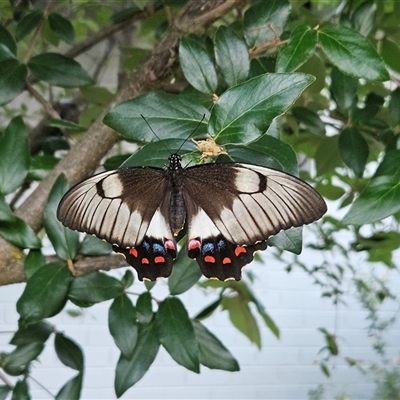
271,82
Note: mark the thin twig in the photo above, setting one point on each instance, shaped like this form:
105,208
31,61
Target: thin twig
46,104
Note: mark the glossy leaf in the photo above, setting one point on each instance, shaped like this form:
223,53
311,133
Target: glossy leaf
144,310
22,355
169,115
254,104
197,65
212,353
21,391
36,332
343,88
176,333
93,246
40,166
265,21
381,198
27,24
8,40
62,27
14,155
289,240
64,124
390,52
94,288
300,48
185,274
353,150
208,310
68,352
33,262
130,371
72,389
64,240
122,325
6,53
128,279
348,50
20,234
231,56
45,293
59,70
363,17
309,120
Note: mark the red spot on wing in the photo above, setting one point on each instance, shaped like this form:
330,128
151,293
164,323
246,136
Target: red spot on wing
239,250
169,244
226,260
145,261
209,259
133,252
159,259
194,244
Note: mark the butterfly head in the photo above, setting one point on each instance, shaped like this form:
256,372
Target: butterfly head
174,162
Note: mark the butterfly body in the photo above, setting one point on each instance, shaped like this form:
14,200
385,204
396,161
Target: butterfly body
230,210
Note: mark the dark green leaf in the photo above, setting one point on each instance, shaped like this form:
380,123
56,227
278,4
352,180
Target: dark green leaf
45,293
22,355
390,52
330,341
72,389
33,262
122,325
62,27
94,288
344,89
325,370
242,318
254,104
309,120
212,353
64,240
184,275
348,50
363,17
6,53
265,21
19,233
36,332
394,106
300,48
381,198
68,352
4,391
12,80
93,246
27,24
353,150
176,333
329,145
97,95
59,70
290,240
6,214
169,115
207,311
124,14
67,125
14,155
21,391
8,40
197,65
40,166
144,310
128,372
232,56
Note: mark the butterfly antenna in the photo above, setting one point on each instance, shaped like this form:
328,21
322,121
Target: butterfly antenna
194,130
155,134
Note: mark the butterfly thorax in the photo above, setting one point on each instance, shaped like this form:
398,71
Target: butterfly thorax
177,209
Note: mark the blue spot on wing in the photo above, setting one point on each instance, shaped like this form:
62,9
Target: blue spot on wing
221,244
208,248
158,248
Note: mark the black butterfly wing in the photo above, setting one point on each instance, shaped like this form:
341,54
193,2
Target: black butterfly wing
232,209
128,208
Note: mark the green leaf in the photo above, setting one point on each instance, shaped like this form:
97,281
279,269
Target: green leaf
300,48
22,355
6,214
242,318
208,310
394,106
6,53
72,389
176,333
45,293
67,125
19,233
14,155
344,89
68,352
254,104
124,14
353,150
94,288
27,24
170,116
130,371
4,391
64,240
329,145
59,70
197,65
144,310
330,341
123,326
21,391
185,274
363,17
93,246
265,21
12,80
40,166
62,27
390,52
36,332
8,40
33,262
231,56
309,120
290,240
348,50
212,353
381,198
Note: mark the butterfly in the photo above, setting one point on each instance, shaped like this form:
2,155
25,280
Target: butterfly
229,211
